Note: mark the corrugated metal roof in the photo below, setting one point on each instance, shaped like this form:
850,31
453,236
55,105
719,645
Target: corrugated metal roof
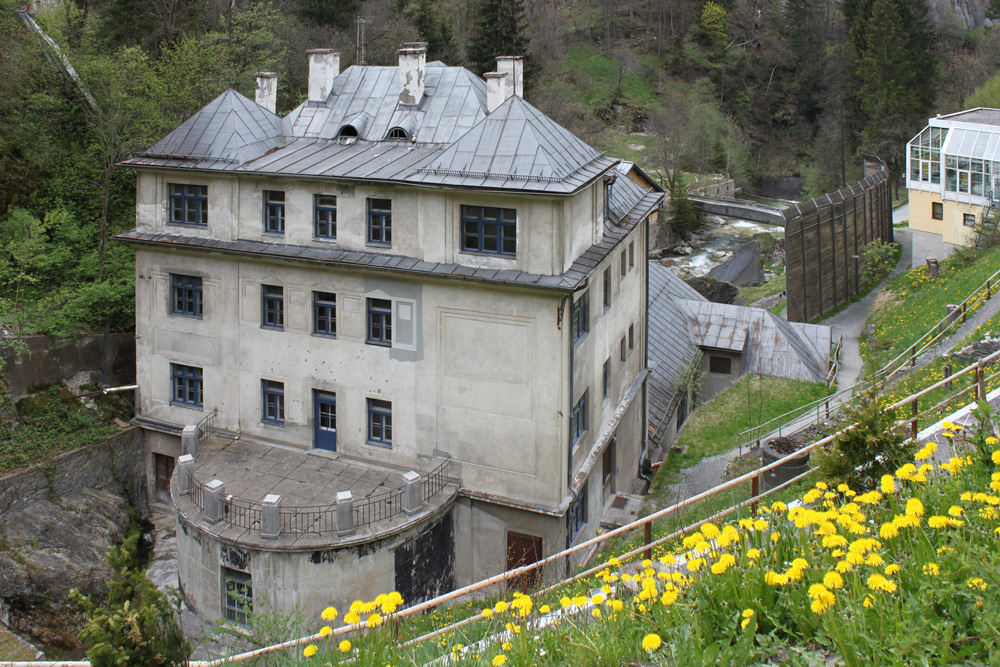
681,321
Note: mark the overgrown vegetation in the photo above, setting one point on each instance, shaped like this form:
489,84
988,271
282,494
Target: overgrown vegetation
138,625
51,422
877,260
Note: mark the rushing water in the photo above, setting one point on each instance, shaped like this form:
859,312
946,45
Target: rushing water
716,242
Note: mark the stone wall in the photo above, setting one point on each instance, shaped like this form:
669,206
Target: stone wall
48,360
114,463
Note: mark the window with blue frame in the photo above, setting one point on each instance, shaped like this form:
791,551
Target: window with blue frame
185,295
188,204
379,322
578,418
274,212
325,313
581,316
273,314
576,517
273,394
380,221
380,422
489,229
186,385
325,225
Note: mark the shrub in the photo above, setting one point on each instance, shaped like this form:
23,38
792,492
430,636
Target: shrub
877,260
138,626
871,449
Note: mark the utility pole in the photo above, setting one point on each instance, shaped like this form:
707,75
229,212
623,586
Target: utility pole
360,55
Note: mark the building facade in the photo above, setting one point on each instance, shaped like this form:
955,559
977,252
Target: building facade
953,177
415,279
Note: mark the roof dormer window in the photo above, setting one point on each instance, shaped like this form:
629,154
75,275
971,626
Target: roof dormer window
397,133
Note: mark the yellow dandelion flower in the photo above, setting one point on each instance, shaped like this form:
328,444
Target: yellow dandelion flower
499,659
753,553
651,642
891,569
991,440
955,511
544,609
325,631
374,620
352,617
487,613
844,566
344,646
833,580
976,583
914,507
309,651
932,569
996,457
329,614
501,607
887,484
874,560
506,646
868,603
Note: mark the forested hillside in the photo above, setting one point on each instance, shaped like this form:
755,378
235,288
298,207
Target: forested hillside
755,88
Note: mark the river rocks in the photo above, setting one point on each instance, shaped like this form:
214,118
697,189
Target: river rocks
714,290
744,269
48,548
979,349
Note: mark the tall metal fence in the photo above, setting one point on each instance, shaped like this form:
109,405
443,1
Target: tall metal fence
824,238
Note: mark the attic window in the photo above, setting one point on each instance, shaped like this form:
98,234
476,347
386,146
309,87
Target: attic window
397,133
348,134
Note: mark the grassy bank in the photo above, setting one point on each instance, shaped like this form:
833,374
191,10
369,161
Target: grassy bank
912,302
12,651
713,428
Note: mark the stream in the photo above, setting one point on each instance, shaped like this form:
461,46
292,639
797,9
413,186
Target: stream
717,240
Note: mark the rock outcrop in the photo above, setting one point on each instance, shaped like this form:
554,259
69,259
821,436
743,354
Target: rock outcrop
714,290
48,548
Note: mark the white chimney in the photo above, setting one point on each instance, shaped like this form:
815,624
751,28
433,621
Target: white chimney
267,90
496,90
412,62
514,67
324,66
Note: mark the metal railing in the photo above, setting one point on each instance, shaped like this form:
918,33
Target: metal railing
206,427
831,377
435,480
896,366
321,519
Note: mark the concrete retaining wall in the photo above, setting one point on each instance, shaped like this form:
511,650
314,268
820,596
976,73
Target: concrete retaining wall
48,360
112,463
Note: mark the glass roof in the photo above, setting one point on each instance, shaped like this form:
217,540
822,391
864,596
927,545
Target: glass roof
974,144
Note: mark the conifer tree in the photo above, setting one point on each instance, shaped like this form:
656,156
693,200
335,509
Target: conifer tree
498,30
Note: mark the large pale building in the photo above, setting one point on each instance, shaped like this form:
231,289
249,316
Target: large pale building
409,320
953,177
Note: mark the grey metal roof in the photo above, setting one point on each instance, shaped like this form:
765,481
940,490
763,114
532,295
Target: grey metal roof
229,129
681,321
453,141
671,348
981,115
770,345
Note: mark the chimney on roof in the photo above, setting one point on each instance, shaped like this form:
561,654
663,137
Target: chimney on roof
412,62
267,90
496,90
324,66
513,66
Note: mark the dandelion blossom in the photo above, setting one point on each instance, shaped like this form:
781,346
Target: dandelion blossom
932,569
329,614
996,457
499,659
325,631
888,484
891,569
651,642
976,583
309,651
833,580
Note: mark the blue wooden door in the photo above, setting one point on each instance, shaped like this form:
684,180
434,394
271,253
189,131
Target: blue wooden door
326,420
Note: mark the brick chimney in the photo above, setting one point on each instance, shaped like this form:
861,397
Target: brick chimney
267,90
514,67
412,62
324,66
496,90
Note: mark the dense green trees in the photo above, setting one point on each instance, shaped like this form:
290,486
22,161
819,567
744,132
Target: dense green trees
499,29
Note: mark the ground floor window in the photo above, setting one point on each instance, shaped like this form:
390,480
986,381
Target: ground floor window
968,219
937,210
237,595
577,515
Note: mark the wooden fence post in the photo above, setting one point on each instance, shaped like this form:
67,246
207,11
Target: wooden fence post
980,381
913,424
647,529
754,491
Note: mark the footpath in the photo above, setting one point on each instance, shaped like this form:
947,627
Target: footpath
849,324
